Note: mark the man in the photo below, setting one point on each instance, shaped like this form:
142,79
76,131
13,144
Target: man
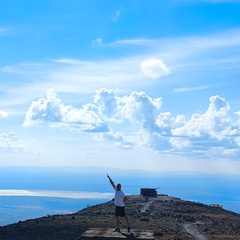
119,200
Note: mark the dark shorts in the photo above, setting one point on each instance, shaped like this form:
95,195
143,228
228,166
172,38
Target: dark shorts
120,211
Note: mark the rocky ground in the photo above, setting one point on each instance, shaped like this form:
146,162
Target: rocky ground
169,218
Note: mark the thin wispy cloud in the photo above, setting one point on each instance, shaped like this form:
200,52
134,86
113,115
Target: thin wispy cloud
3,31
206,49
188,89
117,15
76,75
3,114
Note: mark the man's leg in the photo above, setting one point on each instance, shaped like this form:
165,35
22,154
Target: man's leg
127,221
117,214
118,221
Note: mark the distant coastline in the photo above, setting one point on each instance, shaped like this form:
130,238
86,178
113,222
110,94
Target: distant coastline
20,208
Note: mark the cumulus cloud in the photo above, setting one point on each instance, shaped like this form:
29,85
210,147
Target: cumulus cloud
135,120
140,108
212,133
107,102
3,114
214,123
95,117
53,111
166,122
154,68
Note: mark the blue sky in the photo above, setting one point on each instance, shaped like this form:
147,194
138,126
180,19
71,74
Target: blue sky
150,85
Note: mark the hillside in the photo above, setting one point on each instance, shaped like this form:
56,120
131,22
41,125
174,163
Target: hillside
167,217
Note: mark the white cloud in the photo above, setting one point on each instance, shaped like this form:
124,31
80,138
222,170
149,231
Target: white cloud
189,89
134,120
107,107
237,141
154,68
138,139
121,141
139,108
3,114
165,121
69,61
212,133
10,142
136,42
8,69
214,122
185,44
107,102
98,41
180,142
52,110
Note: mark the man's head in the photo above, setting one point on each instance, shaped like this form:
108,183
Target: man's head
119,187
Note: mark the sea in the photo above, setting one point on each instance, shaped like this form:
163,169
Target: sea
28,192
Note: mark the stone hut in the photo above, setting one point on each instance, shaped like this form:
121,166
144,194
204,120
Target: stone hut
148,192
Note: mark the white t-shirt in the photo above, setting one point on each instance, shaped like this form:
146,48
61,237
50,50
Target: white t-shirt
118,200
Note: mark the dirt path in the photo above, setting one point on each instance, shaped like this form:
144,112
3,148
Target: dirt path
191,229
146,206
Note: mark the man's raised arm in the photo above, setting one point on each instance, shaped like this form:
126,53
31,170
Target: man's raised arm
111,181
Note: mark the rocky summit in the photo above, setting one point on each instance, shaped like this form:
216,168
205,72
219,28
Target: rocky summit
162,217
